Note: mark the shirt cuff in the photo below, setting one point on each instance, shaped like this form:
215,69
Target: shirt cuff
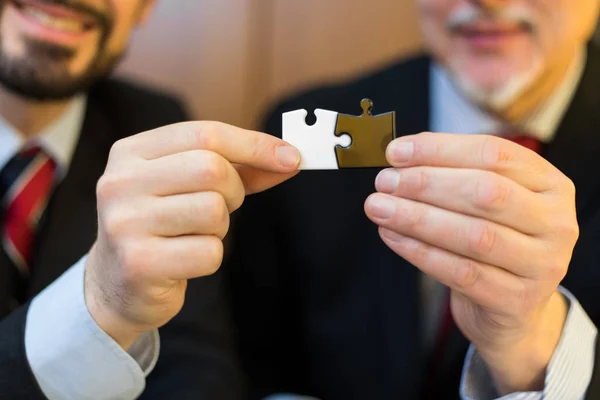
569,372
71,357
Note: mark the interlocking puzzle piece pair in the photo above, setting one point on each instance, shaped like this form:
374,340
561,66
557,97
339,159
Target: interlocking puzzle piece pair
339,141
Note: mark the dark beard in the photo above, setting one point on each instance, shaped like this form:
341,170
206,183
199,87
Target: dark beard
42,73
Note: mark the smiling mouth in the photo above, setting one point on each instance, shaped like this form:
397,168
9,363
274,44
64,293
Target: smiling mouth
55,17
492,30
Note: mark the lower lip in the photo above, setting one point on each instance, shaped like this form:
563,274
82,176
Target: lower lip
492,40
35,28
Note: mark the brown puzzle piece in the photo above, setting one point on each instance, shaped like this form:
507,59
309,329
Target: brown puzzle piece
370,137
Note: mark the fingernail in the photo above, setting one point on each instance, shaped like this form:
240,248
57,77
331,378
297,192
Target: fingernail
288,156
401,152
387,181
381,206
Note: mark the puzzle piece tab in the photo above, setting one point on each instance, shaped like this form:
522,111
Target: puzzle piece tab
317,142
370,137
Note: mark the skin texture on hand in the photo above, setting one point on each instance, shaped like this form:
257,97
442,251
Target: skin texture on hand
163,210
523,366
496,223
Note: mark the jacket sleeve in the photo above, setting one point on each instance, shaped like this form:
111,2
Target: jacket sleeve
16,378
198,356
594,387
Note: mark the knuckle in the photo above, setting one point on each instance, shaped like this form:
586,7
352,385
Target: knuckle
135,259
171,304
161,216
492,194
573,231
421,253
494,153
117,223
415,218
214,170
438,150
560,182
120,147
556,184
568,228
570,188
107,187
237,201
205,135
258,146
164,302
465,274
555,269
213,256
482,238
113,185
420,180
560,221
216,209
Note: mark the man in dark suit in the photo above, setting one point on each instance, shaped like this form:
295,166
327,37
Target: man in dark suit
469,267
86,283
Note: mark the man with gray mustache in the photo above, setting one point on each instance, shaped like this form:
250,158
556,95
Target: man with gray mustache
472,269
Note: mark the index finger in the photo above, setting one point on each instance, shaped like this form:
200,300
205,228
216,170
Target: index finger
482,152
237,145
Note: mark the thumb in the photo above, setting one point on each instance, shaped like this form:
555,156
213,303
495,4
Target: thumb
257,180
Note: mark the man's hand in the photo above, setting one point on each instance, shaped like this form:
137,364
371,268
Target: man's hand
496,223
163,208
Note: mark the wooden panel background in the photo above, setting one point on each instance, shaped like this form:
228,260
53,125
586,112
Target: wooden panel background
230,58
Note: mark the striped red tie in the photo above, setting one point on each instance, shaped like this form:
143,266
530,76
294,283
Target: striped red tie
26,183
447,322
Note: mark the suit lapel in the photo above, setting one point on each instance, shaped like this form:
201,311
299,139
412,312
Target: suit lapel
70,223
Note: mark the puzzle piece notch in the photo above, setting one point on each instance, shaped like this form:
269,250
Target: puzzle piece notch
370,134
317,142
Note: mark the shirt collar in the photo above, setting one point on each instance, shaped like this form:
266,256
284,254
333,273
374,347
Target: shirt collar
58,139
453,113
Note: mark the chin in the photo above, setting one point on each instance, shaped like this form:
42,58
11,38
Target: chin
495,87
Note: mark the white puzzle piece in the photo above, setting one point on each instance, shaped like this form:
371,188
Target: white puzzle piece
316,143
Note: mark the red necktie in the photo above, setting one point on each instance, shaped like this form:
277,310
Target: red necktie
526,141
447,322
26,183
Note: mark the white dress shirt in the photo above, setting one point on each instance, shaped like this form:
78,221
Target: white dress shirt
70,356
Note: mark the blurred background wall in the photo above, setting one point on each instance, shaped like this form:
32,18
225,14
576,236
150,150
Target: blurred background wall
229,59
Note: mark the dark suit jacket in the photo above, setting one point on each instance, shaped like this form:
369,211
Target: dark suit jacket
323,307
115,110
